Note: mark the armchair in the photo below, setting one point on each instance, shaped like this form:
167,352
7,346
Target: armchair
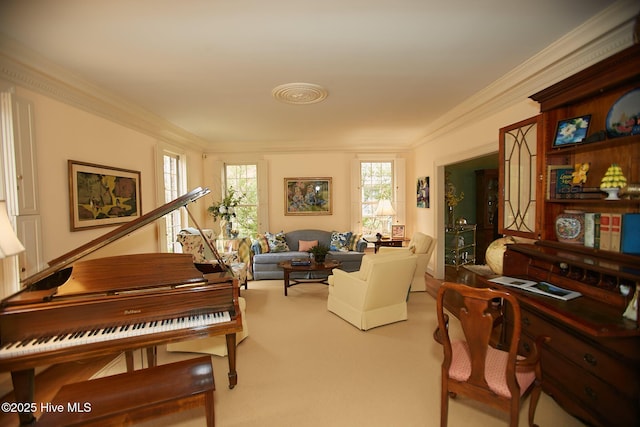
422,245
376,294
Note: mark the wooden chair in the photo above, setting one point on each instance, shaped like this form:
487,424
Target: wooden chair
476,369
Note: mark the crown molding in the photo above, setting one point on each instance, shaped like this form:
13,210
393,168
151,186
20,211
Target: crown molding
598,38
22,67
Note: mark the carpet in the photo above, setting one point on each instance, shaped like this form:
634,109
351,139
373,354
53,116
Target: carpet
304,366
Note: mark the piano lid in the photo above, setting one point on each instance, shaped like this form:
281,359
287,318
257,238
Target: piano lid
69,258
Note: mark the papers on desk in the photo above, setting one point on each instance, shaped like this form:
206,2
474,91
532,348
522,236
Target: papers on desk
542,288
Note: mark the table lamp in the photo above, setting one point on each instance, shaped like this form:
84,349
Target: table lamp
385,209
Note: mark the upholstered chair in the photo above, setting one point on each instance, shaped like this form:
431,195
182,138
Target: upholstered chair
485,365
422,245
376,294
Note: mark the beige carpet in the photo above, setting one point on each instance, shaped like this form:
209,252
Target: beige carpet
304,366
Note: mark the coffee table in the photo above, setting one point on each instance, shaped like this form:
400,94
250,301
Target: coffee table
287,268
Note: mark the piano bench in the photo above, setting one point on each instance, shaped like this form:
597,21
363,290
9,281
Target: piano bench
131,397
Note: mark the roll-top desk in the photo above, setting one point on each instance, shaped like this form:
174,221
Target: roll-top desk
591,367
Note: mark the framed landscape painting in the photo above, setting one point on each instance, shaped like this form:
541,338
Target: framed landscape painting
100,196
307,196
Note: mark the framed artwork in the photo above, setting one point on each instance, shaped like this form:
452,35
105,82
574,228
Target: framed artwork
397,231
572,131
101,196
422,192
308,196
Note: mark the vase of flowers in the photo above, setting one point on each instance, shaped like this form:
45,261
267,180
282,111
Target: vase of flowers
225,211
452,200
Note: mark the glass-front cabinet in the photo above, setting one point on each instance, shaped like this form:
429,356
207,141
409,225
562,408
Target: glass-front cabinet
460,247
519,177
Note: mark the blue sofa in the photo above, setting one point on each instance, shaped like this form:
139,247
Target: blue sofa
265,265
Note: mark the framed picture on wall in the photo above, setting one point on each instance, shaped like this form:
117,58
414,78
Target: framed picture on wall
101,196
308,196
422,192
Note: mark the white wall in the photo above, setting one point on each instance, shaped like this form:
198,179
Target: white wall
66,133
475,140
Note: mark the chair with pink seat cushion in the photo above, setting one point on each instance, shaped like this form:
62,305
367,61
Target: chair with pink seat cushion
472,366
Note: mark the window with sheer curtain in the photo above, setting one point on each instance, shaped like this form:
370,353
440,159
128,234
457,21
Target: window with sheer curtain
376,184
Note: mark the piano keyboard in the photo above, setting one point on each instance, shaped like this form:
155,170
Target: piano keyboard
42,344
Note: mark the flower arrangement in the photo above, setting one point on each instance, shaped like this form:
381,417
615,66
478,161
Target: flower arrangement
226,209
451,197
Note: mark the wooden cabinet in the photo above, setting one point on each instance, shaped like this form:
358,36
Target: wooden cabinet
591,367
592,92
486,211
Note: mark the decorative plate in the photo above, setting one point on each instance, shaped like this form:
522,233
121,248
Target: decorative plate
624,117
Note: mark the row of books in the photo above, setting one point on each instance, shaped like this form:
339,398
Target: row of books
612,232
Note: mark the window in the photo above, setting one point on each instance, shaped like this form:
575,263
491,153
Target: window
244,179
173,220
376,184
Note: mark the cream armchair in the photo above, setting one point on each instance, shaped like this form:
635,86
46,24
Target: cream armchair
422,245
376,294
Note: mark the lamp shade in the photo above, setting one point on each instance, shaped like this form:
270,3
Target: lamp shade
9,243
384,208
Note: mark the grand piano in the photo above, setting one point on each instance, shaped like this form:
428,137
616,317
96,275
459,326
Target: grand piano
83,309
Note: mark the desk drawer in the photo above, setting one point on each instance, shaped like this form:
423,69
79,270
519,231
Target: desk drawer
620,373
596,396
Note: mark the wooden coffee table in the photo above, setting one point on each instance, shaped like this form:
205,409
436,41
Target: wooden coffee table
287,268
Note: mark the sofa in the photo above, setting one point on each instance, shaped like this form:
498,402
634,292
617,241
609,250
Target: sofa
270,249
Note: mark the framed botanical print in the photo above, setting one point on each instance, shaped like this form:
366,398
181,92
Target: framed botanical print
308,196
101,196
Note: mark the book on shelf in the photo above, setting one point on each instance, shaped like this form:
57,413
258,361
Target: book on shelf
564,185
552,179
616,228
592,230
630,241
541,288
605,231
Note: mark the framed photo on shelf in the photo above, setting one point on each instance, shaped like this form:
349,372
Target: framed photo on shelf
101,196
308,196
571,131
397,231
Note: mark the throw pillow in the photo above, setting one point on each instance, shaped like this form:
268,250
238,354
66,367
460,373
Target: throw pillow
353,244
263,243
277,242
340,241
305,245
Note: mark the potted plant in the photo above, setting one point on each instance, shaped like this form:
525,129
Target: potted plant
319,252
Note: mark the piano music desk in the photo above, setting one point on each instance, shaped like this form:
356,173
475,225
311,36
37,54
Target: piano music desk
128,398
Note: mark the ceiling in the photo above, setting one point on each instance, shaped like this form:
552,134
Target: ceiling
390,67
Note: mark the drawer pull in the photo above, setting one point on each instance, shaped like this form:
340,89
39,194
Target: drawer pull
591,393
526,321
526,347
590,359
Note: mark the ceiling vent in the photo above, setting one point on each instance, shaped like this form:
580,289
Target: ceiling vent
299,93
